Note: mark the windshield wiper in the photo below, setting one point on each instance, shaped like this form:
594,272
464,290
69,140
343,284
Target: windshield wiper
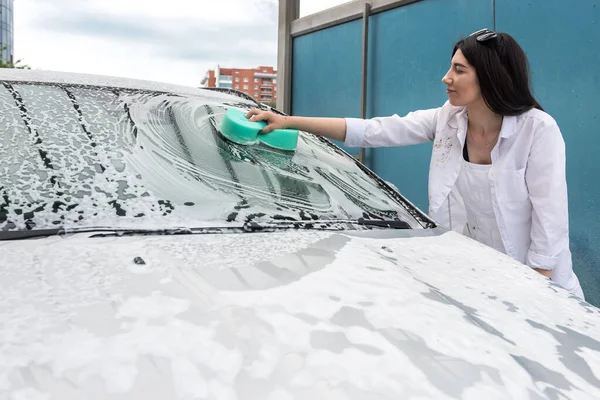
248,227
272,226
392,223
34,233
334,224
165,232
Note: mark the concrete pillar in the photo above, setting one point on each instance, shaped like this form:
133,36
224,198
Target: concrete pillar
289,10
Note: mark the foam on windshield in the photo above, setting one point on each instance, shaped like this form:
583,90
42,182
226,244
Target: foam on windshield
76,156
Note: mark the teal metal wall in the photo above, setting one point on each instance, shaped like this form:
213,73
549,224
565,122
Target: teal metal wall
562,40
327,67
409,52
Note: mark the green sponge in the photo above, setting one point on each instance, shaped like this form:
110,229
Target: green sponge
237,128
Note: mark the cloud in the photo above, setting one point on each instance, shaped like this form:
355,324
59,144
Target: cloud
177,39
96,26
173,41
189,38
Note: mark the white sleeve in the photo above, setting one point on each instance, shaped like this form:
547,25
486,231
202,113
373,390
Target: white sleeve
547,186
416,127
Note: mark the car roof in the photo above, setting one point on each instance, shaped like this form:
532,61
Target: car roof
70,78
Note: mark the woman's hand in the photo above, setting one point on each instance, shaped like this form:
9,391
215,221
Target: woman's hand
332,128
274,121
545,272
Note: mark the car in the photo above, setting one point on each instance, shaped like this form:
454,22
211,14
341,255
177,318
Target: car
143,255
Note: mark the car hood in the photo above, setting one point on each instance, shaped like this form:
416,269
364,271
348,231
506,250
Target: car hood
294,315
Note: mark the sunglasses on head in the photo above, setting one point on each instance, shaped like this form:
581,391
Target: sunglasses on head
483,35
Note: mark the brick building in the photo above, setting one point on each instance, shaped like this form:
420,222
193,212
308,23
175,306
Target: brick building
260,83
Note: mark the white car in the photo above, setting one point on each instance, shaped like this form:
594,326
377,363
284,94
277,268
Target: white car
144,256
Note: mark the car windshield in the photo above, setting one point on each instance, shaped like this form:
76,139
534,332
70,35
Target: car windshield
79,157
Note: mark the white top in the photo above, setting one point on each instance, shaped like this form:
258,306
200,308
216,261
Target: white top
474,187
527,179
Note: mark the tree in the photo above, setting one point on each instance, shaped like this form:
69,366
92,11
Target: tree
272,104
9,63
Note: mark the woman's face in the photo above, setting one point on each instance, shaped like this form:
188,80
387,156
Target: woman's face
461,81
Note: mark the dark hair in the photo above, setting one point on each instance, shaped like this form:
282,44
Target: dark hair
503,73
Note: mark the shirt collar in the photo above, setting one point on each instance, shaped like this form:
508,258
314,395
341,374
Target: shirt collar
509,125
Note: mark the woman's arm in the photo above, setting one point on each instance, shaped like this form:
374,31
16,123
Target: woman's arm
547,186
416,127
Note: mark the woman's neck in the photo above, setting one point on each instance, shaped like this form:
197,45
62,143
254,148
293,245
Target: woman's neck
482,120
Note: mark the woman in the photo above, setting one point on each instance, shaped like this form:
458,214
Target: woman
497,170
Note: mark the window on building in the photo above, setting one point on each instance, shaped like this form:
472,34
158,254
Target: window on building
237,86
274,81
255,80
246,87
237,79
255,87
255,94
245,79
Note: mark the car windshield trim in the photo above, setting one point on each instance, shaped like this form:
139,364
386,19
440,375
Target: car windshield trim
246,227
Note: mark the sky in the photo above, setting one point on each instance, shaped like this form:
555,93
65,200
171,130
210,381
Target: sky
173,41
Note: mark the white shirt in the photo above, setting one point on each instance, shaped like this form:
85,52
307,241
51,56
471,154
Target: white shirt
527,179
474,187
